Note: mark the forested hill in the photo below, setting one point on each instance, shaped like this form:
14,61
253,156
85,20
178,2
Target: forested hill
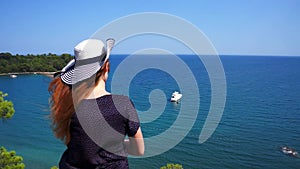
33,63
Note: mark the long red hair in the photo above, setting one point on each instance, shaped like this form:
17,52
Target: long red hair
62,101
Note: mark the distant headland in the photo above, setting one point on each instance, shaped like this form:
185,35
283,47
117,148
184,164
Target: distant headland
44,64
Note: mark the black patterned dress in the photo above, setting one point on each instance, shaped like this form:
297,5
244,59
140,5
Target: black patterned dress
98,129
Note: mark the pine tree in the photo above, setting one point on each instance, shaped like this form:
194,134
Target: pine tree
8,159
6,107
172,166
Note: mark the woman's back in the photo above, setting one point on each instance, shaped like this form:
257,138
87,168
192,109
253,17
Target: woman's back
97,130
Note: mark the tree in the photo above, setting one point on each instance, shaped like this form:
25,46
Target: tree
5,55
6,107
172,166
9,160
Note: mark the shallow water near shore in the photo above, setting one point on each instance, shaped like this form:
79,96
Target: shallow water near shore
262,113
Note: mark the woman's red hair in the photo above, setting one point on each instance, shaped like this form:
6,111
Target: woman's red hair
62,102
62,108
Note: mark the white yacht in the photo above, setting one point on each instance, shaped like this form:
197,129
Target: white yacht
289,151
13,76
176,96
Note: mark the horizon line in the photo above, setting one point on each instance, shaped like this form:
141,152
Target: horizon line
182,54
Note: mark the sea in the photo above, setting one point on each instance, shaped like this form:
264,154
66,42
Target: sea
261,112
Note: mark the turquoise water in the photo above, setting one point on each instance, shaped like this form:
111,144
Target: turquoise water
262,113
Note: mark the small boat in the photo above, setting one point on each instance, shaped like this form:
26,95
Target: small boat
13,76
289,151
176,96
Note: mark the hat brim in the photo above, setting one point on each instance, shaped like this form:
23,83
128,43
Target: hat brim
79,73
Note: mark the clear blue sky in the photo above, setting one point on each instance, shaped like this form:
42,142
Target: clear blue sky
259,27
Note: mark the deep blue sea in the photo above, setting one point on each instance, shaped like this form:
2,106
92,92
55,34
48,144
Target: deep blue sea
262,113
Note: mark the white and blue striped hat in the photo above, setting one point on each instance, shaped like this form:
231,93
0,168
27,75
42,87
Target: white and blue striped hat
90,55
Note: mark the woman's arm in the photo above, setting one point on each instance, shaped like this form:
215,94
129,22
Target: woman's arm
135,145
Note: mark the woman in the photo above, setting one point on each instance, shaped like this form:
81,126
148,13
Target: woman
92,122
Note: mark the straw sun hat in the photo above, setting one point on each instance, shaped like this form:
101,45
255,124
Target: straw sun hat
90,55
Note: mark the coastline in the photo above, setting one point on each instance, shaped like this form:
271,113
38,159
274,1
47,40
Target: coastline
48,74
